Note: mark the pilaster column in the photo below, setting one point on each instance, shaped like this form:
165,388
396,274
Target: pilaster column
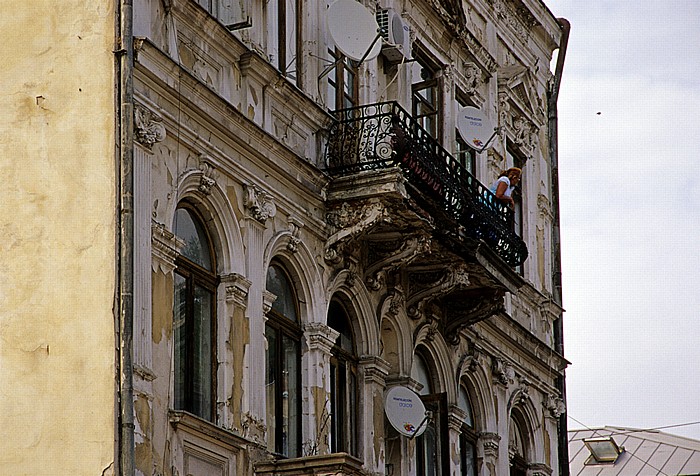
316,383
489,444
259,208
148,131
233,293
374,371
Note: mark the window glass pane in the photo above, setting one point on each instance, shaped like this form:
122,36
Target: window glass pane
467,457
180,342
203,352
338,320
191,232
352,410
464,404
421,374
290,397
271,386
290,69
273,34
278,285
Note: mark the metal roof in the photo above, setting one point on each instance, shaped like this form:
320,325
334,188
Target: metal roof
646,453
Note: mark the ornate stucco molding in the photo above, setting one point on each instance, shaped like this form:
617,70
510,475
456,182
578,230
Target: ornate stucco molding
555,405
208,178
375,369
295,226
406,250
148,127
165,247
320,336
502,371
350,221
490,442
237,288
258,203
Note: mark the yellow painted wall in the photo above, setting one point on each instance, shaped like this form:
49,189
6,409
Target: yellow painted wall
57,237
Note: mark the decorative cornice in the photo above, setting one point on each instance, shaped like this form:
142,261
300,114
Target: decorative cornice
268,298
237,288
148,127
259,203
375,369
320,336
490,442
165,247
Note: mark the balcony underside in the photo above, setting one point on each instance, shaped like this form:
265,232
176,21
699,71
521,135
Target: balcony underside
385,235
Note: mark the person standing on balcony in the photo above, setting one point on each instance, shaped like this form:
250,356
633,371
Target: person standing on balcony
505,184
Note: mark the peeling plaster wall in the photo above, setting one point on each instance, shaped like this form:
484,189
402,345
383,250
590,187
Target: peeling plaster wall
57,220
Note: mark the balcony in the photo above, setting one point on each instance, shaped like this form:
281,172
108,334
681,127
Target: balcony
382,137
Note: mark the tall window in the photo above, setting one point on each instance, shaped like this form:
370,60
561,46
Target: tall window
283,362
516,450
426,96
342,82
194,318
343,396
283,36
467,436
431,446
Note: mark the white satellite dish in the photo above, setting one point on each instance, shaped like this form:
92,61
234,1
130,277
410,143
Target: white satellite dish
405,411
475,128
354,30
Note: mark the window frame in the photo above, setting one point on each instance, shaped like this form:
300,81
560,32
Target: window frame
337,81
195,275
344,436
432,84
468,436
278,20
283,326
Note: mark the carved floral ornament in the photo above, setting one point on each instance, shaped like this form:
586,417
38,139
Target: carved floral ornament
258,203
148,127
208,178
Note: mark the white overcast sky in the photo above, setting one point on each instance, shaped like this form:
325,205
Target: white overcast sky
629,117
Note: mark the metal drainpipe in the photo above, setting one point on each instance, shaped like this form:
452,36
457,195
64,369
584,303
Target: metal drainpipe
556,237
125,219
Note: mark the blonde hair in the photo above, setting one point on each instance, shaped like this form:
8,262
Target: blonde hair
506,173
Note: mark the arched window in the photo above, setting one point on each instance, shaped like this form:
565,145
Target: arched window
516,449
343,396
283,362
467,436
431,448
194,319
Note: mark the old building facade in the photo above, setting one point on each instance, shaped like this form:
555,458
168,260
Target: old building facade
309,231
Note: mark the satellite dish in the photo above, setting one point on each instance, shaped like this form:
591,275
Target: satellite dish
354,30
475,128
405,411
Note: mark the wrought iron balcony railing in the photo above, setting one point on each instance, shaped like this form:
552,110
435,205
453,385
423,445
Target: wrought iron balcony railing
384,135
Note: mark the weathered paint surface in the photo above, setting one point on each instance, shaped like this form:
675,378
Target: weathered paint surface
57,229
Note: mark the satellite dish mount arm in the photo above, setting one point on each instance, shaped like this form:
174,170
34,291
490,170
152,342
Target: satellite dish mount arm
426,419
496,130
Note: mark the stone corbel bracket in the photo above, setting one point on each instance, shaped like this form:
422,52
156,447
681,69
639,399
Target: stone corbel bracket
470,361
375,275
465,313
455,277
237,288
349,222
555,405
148,127
502,371
295,226
208,177
259,203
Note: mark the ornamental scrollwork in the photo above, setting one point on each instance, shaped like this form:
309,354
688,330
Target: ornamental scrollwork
555,405
259,203
148,127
